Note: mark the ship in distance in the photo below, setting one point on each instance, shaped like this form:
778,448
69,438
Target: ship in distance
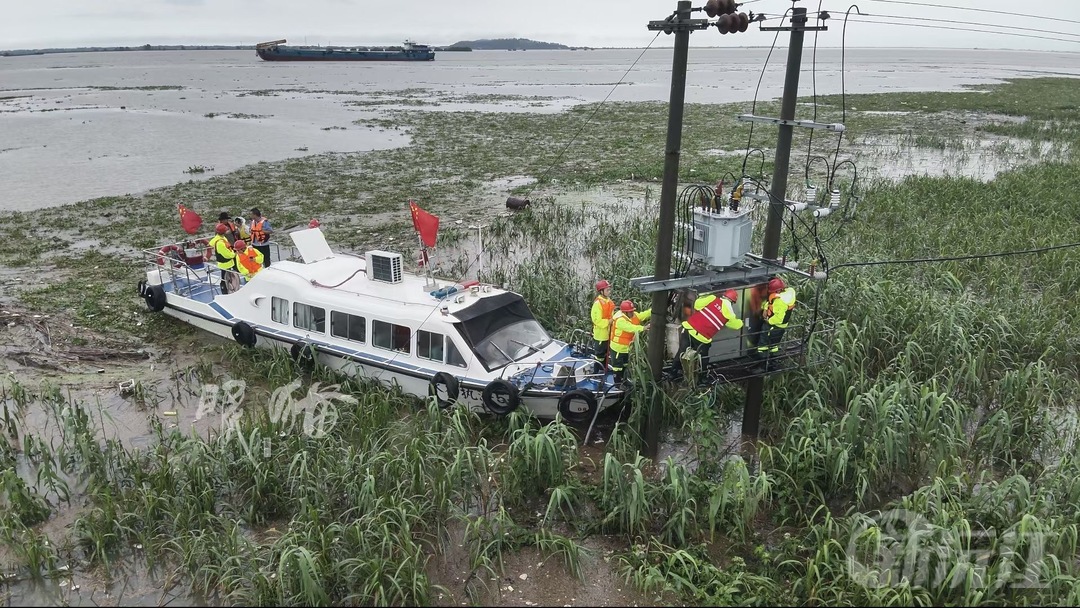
277,51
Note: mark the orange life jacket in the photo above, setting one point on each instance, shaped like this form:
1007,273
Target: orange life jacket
257,235
248,259
623,338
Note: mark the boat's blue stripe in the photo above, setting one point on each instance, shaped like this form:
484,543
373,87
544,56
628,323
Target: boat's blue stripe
221,311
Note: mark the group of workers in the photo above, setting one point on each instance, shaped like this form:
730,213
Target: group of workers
240,250
614,329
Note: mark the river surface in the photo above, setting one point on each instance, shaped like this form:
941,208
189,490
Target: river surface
82,125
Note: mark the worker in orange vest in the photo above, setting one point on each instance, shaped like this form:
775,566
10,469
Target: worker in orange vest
602,309
776,313
248,259
711,314
260,234
625,325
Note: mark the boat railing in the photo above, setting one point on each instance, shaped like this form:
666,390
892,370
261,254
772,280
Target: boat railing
186,268
525,374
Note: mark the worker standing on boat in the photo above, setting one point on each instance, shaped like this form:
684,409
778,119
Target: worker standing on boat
226,258
625,325
233,232
248,259
776,314
260,234
711,314
602,309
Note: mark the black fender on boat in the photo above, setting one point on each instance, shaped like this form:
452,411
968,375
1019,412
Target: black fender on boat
154,296
577,405
303,354
501,397
244,334
440,380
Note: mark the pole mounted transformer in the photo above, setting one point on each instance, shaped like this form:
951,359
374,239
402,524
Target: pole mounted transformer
719,237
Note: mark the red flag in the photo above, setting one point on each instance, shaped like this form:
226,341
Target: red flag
427,225
189,220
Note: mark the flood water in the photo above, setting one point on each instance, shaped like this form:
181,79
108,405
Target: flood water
125,122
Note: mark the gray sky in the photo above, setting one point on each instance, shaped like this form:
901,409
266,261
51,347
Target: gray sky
45,23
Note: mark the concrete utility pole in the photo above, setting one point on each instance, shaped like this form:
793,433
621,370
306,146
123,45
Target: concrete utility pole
755,387
681,25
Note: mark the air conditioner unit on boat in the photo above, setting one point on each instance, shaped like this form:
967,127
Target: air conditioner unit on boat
384,266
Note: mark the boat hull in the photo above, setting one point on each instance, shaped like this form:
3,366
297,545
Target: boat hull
292,54
209,317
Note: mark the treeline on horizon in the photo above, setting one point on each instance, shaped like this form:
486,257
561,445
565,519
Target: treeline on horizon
498,44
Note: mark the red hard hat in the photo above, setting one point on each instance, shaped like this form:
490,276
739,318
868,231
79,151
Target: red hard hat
732,295
313,224
626,306
777,284
221,229
239,245
601,285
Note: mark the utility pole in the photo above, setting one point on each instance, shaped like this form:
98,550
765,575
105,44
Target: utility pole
755,387
681,24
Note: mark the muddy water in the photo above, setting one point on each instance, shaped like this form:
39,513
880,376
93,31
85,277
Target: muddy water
98,118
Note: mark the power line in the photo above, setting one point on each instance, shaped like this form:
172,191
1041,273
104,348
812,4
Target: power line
979,256
954,21
584,124
978,10
966,29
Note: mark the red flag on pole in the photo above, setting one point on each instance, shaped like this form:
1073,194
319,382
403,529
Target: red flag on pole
427,225
189,220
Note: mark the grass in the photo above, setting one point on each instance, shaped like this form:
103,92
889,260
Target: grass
929,460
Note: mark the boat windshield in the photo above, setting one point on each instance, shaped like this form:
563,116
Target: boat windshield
501,329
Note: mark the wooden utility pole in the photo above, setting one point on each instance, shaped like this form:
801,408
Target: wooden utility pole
681,24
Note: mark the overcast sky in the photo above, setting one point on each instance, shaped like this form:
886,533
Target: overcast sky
50,23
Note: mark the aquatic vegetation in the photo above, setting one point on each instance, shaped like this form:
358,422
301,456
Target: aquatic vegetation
929,460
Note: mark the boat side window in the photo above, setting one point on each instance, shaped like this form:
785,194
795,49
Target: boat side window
309,317
390,336
437,347
430,346
453,355
279,310
350,327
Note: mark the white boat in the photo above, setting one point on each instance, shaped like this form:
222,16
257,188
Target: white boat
366,316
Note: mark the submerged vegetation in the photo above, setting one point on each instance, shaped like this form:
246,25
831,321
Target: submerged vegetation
930,459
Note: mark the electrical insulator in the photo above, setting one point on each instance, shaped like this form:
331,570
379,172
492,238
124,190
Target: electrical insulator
796,207
719,7
732,23
822,212
834,199
811,195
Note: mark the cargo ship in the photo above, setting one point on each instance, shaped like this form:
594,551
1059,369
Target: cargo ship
276,51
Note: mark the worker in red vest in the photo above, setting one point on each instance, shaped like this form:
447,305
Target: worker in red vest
626,324
776,312
711,314
602,309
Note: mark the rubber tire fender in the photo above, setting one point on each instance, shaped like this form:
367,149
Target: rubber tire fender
155,297
244,334
503,387
452,389
302,354
571,415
